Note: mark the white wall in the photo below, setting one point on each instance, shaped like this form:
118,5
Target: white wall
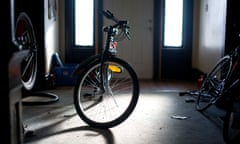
51,29
209,33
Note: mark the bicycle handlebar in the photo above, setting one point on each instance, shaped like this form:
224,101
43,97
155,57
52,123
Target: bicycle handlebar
122,24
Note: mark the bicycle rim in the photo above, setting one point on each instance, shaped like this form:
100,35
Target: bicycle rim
213,84
203,100
108,109
26,40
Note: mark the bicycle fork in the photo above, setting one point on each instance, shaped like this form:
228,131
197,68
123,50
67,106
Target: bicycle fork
105,75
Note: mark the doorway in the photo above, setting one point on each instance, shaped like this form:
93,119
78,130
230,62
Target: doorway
173,61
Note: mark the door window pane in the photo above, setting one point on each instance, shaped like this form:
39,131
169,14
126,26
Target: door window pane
173,20
84,22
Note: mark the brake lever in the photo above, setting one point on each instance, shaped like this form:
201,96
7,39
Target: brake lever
127,33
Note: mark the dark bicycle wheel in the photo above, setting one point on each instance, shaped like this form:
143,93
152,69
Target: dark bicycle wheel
106,109
231,126
25,39
213,84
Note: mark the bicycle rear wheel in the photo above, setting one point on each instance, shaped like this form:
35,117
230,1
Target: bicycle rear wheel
213,84
106,109
231,126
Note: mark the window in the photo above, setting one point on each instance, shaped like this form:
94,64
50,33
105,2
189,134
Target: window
173,21
84,22
82,32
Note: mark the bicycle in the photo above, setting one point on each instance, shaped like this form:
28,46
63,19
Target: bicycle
220,87
107,88
24,38
231,95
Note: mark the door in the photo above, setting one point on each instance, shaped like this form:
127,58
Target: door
138,51
176,58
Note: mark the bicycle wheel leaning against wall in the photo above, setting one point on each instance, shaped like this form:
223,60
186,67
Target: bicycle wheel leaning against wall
25,39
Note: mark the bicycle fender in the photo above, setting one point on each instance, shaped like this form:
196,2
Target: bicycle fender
80,67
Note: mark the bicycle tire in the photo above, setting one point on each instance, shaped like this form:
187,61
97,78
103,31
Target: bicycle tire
118,101
25,38
213,84
231,126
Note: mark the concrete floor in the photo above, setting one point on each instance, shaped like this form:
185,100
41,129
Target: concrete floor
152,122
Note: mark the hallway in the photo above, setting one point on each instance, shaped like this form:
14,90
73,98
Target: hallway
161,117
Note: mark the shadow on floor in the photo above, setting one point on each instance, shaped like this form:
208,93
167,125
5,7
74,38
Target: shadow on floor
161,117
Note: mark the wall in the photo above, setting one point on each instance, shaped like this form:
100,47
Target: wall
209,33
208,40
51,28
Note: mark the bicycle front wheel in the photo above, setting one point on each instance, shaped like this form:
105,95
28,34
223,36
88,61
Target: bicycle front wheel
108,108
213,84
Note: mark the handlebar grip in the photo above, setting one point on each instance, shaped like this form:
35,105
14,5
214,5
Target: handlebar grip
108,14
